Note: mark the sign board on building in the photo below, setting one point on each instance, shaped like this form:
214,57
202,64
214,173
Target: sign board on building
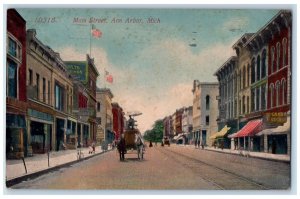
78,69
276,117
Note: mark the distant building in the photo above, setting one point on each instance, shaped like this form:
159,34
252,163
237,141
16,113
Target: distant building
187,123
206,111
104,114
118,120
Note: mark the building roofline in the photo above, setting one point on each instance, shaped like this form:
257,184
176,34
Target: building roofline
232,58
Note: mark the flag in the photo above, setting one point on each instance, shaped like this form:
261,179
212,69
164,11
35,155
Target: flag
96,32
109,78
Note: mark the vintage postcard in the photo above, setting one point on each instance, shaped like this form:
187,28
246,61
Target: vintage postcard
148,98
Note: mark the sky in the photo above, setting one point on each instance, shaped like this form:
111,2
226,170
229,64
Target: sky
153,64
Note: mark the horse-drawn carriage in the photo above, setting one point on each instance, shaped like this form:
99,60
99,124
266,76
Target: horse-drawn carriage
134,143
133,140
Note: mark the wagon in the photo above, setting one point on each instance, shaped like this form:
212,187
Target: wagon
131,145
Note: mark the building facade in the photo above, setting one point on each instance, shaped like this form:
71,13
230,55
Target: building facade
51,122
16,96
118,120
187,124
104,114
208,111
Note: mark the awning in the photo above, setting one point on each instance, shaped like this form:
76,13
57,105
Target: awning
232,135
250,129
221,133
278,130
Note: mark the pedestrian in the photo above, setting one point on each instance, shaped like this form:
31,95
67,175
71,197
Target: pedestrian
122,148
195,143
150,145
198,143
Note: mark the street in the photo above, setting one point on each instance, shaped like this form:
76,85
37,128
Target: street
167,168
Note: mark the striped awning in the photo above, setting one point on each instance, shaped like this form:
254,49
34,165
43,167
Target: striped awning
250,129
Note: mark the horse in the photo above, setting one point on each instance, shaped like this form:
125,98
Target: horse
140,147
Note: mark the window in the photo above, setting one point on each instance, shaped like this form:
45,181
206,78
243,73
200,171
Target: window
37,86
244,107
207,120
59,97
263,97
272,59
258,68
12,82
240,107
272,95
278,56
263,64
44,90
277,92
48,92
98,106
12,47
252,71
257,99
244,77
248,75
284,95
207,102
248,104
284,54
252,99
30,77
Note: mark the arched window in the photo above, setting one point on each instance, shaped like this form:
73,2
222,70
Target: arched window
248,75
244,76
272,59
207,102
263,64
263,97
278,56
252,71
284,94
248,104
257,97
252,100
272,95
244,106
284,54
277,92
258,68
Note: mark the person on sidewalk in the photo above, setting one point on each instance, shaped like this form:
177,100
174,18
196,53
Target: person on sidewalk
122,148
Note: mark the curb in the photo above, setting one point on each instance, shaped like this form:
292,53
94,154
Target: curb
34,175
251,156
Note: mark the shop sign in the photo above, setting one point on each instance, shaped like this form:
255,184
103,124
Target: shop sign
78,69
276,117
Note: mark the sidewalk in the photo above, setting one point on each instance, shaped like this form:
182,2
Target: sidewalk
262,155
39,162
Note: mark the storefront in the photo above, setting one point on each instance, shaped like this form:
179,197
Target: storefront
71,135
16,136
277,140
245,137
60,134
40,128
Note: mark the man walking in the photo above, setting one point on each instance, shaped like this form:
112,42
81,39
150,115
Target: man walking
122,148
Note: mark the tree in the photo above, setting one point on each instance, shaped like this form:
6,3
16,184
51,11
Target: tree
156,133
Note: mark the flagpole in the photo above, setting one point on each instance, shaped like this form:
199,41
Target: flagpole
91,40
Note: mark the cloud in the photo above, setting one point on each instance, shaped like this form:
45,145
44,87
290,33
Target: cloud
236,24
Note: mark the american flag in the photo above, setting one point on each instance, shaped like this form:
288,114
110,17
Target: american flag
109,78
96,32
